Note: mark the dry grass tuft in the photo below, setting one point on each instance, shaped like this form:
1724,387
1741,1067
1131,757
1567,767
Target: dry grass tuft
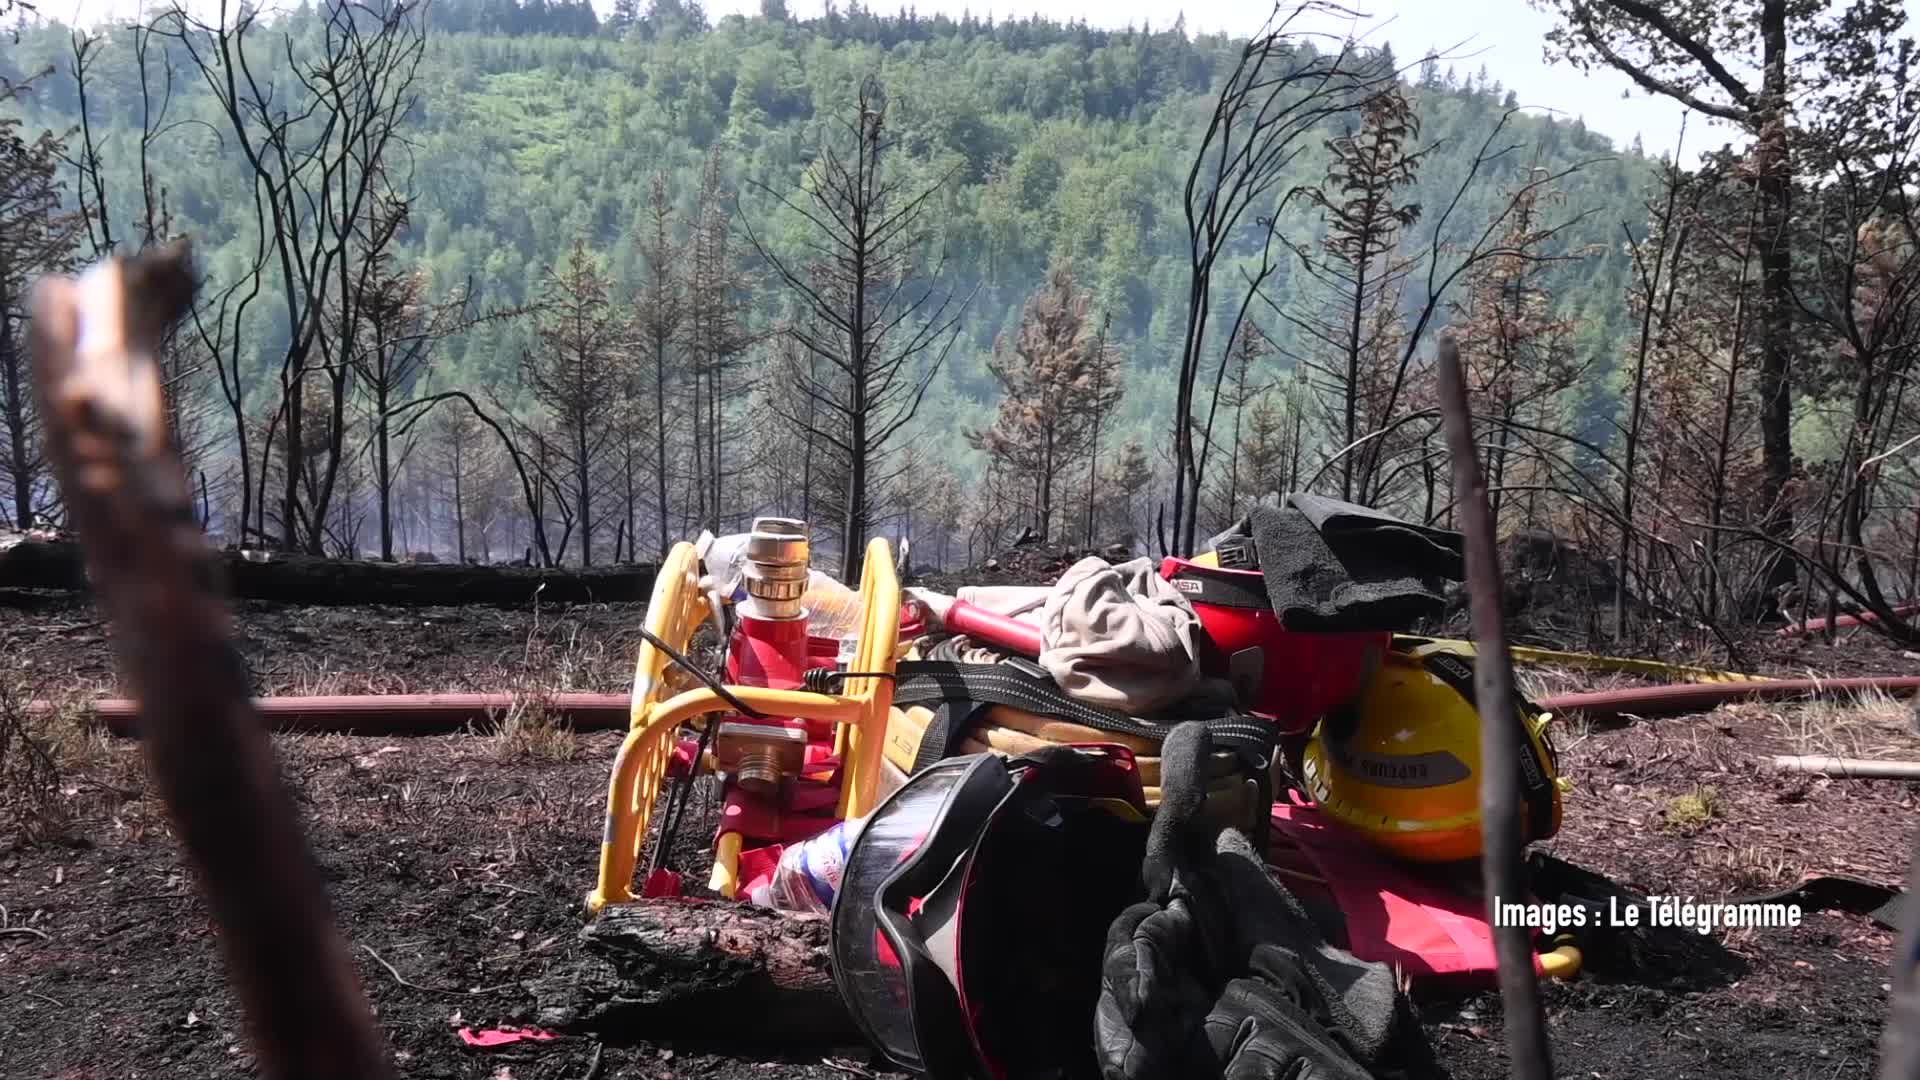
1688,814
1751,868
563,658
1538,681
30,805
44,744
530,731
1872,724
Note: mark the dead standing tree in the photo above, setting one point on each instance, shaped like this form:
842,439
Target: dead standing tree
1453,253
659,312
36,237
1689,444
1354,335
1692,51
1249,460
521,443
717,338
877,332
1059,378
399,326
1269,453
373,326
319,157
1861,297
1278,95
459,457
183,357
574,373
1520,356
1655,273
1107,390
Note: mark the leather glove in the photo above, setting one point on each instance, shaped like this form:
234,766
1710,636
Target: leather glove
1219,972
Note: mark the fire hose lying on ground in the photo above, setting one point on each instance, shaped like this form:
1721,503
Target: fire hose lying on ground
442,714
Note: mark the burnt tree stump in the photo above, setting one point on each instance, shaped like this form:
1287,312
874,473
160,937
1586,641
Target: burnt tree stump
700,971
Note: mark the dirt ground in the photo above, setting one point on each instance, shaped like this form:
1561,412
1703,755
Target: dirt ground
458,864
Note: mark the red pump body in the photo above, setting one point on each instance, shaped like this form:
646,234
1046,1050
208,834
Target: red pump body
768,652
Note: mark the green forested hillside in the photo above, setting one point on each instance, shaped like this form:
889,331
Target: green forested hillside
537,125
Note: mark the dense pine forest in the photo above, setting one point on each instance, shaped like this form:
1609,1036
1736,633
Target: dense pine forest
530,282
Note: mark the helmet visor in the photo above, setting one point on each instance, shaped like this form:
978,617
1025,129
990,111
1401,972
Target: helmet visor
907,848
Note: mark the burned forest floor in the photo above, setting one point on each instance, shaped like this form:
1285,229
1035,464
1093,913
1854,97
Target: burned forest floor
457,866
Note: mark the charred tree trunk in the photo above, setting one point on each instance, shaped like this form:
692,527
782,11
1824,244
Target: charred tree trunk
290,492
583,480
12,361
660,441
383,475
459,506
1776,288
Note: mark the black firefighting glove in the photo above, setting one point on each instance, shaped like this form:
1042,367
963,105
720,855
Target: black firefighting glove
1221,973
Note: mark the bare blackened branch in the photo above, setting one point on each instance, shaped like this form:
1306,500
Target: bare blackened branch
209,751
1501,737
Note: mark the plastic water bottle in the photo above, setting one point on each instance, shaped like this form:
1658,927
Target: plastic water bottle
809,872
833,610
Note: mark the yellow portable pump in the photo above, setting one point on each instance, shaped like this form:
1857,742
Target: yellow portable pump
662,702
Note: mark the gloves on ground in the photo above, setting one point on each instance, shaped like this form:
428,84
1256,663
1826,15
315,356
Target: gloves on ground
1221,973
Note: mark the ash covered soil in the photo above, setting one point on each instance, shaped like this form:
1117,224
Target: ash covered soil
457,866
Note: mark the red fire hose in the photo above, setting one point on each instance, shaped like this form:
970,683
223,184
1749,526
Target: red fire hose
1699,697
436,714
994,628
1813,626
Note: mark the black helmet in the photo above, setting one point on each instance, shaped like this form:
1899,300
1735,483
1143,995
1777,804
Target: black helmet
971,917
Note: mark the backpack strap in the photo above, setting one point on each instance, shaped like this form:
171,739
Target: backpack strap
958,693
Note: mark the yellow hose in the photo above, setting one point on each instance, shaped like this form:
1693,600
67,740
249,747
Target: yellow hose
726,865
1629,665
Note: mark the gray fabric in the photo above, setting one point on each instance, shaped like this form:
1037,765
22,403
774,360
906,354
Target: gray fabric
1335,566
1120,637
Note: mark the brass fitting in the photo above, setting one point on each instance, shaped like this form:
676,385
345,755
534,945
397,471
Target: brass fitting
776,567
761,756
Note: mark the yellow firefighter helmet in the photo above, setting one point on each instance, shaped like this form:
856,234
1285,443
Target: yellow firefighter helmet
1401,765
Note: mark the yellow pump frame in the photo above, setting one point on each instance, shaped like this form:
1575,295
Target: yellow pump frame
677,609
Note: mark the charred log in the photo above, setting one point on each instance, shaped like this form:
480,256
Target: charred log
306,580
699,970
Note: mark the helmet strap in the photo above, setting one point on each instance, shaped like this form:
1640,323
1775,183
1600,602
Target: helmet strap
1536,774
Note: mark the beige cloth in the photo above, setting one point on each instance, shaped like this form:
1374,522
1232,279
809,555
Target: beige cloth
1121,636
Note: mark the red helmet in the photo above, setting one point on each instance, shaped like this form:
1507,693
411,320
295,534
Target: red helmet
1288,676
